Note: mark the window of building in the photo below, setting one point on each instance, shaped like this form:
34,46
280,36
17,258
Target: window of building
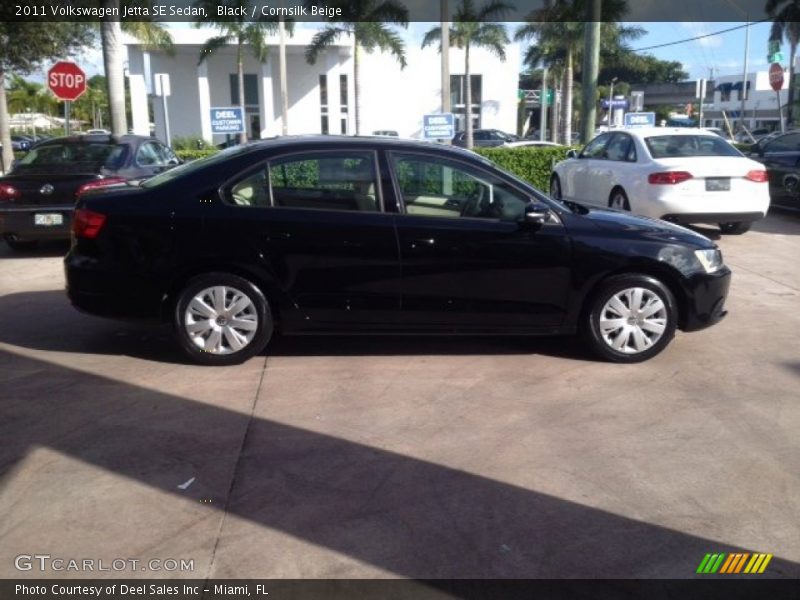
251,104
343,102
323,103
458,99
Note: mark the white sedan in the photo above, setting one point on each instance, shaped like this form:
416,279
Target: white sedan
681,175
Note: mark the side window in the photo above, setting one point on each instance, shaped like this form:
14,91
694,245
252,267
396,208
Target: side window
784,143
327,181
148,155
167,155
252,190
439,188
619,147
596,148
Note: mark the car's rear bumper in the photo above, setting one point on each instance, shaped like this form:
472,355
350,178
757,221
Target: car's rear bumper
713,217
706,295
19,223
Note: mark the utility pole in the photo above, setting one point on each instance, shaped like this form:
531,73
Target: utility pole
445,58
543,103
591,68
743,91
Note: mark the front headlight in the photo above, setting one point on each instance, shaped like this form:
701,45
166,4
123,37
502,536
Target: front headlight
711,259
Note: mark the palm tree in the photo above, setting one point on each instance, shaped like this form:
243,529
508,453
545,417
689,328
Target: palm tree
558,30
472,26
785,16
238,30
152,34
366,21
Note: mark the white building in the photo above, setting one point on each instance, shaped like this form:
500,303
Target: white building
321,96
760,106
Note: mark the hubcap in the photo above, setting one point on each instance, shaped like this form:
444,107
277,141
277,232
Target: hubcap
633,320
221,320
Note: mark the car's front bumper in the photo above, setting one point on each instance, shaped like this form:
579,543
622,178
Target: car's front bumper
713,217
705,296
19,223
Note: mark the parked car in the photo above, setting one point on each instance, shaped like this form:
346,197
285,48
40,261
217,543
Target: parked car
532,144
485,138
750,137
20,143
98,132
38,194
386,133
780,154
676,174
377,235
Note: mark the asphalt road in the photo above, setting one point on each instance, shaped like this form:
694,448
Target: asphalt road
340,457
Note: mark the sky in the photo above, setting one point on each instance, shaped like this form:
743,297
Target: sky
724,53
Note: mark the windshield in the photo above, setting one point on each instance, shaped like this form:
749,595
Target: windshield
671,146
95,155
190,167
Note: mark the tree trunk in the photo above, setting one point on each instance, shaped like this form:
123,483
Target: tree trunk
110,34
5,131
566,107
554,120
356,86
282,74
240,77
790,96
468,98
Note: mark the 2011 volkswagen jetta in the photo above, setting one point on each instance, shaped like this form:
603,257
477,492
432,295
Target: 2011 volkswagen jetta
376,235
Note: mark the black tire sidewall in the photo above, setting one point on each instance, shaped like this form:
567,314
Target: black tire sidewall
626,205
609,288
735,227
265,320
555,180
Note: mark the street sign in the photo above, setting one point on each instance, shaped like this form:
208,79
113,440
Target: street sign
640,119
637,101
616,103
438,127
162,84
66,80
776,76
227,119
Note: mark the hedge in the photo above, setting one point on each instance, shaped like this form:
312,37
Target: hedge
533,164
189,154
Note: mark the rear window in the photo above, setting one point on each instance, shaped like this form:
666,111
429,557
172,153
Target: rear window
96,155
670,146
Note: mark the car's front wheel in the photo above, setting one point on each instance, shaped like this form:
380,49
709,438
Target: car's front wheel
222,319
631,318
555,187
619,200
735,227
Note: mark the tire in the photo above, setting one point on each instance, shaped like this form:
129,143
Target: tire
735,227
619,200
21,246
204,326
619,335
555,188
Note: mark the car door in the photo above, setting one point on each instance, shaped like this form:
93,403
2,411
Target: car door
579,182
617,167
316,220
781,156
468,262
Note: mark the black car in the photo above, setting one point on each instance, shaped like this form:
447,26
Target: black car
780,153
38,195
374,235
485,138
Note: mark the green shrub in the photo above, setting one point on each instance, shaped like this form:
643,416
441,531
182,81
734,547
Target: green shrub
533,164
193,154
745,148
189,142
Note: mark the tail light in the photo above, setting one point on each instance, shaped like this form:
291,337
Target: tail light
669,177
87,223
8,192
98,183
758,176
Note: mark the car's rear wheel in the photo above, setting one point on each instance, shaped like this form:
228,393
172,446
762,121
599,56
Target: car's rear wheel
619,200
631,318
222,319
735,227
555,187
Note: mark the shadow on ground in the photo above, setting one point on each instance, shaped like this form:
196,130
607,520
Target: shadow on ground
404,515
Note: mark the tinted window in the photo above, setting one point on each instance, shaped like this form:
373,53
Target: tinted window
331,181
251,190
192,167
596,148
784,143
439,188
621,148
97,155
149,155
669,146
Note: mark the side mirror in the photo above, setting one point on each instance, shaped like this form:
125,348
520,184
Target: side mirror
536,214
572,154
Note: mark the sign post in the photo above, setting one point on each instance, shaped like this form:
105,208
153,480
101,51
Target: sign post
438,126
776,83
67,81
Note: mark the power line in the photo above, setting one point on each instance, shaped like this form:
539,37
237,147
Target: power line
700,37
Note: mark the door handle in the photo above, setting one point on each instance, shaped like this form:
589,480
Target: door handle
422,243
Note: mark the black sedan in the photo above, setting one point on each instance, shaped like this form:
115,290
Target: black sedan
780,153
375,235
485,138
38,195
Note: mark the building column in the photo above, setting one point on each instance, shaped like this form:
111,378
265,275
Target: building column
332,72
270,122
140,111
204,96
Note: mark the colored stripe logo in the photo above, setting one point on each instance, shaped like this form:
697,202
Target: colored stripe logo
738,562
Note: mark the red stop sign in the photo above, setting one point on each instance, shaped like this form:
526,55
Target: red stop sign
776,76
66,80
